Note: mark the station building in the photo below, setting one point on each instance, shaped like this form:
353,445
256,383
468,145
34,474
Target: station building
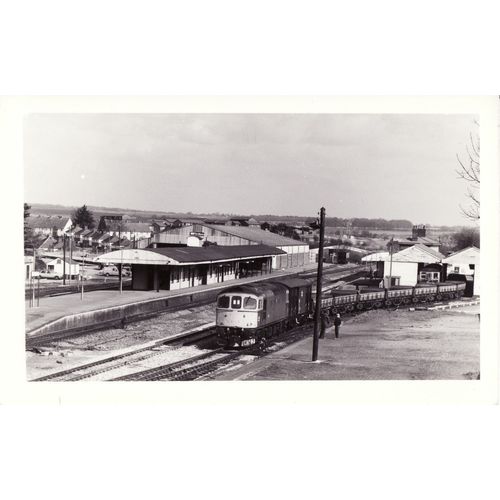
174,268
466,262
294,253
415,264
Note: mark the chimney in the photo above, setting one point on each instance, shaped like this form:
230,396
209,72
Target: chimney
418,232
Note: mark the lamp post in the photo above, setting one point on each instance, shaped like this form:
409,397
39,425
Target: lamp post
82,275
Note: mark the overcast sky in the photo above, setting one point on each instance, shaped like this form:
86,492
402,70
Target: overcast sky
390,166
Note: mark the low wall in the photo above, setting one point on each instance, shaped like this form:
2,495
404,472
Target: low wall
118,315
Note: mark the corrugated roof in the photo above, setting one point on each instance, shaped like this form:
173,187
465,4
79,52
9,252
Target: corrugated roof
257,235
214,252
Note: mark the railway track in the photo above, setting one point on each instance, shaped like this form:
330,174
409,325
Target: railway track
101,366
54,291
198,366
188,369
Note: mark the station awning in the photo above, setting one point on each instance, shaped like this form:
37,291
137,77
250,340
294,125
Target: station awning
182,256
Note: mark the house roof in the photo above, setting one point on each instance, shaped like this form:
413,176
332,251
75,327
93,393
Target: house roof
472,249
137,227
68,261
417,253
47,222
423,240
431,251
188,255
376,257
48,243
257,235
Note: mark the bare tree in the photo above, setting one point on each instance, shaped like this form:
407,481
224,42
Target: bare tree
469,171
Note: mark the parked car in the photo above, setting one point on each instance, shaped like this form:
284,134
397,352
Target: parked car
50,276
113,271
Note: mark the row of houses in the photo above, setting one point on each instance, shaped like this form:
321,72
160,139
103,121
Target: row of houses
123,226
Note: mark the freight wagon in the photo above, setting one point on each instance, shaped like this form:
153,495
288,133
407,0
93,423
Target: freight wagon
254,313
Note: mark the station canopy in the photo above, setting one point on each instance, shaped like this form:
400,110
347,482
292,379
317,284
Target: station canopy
187,255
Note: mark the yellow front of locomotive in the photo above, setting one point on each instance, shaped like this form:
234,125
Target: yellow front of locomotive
237,317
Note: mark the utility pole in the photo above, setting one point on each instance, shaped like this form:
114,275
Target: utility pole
121,257
64,258
317,313
70,255
391,243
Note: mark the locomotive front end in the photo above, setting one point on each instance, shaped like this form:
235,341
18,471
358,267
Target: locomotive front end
238,315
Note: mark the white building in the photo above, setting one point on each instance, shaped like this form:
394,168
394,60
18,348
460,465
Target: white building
56,266
29,266
408,267
466,262
296,251
53,225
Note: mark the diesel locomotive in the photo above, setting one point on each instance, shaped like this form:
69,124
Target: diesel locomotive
254,313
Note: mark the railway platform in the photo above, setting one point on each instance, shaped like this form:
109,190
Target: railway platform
67,312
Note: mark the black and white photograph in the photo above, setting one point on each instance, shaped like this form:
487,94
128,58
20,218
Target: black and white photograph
250,250
252,246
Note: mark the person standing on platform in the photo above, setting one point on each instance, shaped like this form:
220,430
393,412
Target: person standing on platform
337,322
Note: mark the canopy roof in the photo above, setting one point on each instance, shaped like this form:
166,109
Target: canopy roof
187,255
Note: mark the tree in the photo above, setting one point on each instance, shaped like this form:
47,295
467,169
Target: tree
27,229
83,218
469,171
467,237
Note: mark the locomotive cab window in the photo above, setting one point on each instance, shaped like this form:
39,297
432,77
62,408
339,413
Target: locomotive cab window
249,303
223,302
235,302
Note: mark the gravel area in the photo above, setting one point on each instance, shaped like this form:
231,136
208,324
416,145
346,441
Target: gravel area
97,345
380,345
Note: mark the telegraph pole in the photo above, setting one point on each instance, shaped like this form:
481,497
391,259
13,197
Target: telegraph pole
64,258
391,243
70,256
120,267
317,313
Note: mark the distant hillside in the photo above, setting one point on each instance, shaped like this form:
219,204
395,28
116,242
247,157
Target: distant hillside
145,215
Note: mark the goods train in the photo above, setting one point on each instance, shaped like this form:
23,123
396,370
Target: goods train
253,313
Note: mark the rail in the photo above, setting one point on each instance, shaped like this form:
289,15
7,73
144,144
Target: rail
100,366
